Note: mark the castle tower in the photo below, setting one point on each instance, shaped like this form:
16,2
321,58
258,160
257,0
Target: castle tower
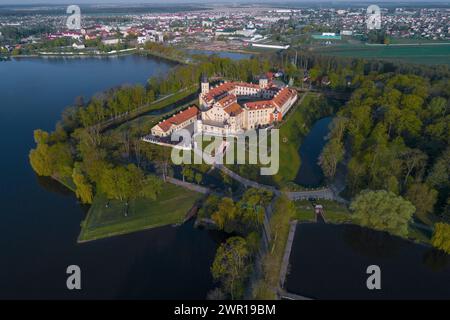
205,84
263,82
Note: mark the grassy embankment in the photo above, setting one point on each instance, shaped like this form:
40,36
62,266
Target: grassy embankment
169,208
66,182
334,212
267,286
290,141
337,213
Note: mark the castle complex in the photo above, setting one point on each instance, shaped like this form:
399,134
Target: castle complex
231,108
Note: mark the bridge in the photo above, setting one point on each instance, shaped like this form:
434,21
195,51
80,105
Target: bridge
322,193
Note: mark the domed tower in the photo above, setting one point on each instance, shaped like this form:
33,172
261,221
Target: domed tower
204,84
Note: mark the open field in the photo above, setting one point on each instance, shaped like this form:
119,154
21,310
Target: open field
169,208
421,54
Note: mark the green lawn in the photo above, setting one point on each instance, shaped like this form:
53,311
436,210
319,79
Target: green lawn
290,141
170,208
421,54
334,212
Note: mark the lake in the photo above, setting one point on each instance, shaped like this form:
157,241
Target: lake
40,219
310,174
329,262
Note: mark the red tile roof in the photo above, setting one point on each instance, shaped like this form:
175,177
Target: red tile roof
233,109
179,118
219,90
246,84
263,104
283,96
227,100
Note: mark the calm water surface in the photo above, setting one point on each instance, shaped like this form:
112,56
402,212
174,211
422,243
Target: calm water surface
330,261
40,220
310,174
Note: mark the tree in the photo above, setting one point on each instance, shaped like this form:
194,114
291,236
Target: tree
331,155
439,176
51,160
61,160
83,188
422,197
122,183
41,136
198,177
225,215
151,187
231,267
40,160
252,208
414,159
441,237
383,210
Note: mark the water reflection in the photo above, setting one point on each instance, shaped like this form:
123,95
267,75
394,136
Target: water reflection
370,243
330,261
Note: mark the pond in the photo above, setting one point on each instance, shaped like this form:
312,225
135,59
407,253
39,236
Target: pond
310,174
330,261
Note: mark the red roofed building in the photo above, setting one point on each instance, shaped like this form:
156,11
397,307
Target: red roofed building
176,122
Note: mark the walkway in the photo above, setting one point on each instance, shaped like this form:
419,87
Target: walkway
287,253
324,193
188,185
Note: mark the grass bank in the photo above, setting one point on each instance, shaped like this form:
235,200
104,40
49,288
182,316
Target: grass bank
67,182
334,212
268,285
290,141
106,221
337,213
